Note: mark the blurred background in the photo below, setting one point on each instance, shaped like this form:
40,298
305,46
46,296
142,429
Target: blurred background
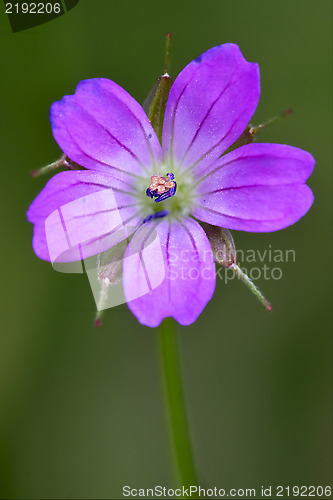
81,408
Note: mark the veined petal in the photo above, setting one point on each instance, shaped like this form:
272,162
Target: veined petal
101,127
169,270
258,187
209,106
79,214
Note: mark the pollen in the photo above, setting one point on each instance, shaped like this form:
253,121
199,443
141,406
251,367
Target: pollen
161,187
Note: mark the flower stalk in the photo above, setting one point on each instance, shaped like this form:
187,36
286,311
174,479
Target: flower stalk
175,404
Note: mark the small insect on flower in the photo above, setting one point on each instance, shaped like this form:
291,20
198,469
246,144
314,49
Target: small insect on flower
216,177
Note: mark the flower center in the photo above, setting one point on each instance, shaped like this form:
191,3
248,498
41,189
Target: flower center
161,188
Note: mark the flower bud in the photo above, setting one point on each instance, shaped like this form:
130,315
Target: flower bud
222,244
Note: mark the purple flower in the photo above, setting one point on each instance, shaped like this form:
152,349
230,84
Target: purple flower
256,188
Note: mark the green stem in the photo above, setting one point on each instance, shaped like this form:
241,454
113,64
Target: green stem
175,403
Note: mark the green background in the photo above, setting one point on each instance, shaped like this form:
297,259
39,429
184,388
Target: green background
81,408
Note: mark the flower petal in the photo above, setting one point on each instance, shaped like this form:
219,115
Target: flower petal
79,214
258,187
101,127
169,270
209,105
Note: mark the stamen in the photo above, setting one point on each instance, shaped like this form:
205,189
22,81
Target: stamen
161,188
158,215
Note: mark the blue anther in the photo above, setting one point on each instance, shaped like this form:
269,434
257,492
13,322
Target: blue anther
158,215
163,196
173,189
167,194
162,213
147,219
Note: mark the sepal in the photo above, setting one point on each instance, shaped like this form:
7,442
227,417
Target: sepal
222,244
155,103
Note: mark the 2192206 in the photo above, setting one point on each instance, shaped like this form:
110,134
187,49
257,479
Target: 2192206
303,491
33,8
